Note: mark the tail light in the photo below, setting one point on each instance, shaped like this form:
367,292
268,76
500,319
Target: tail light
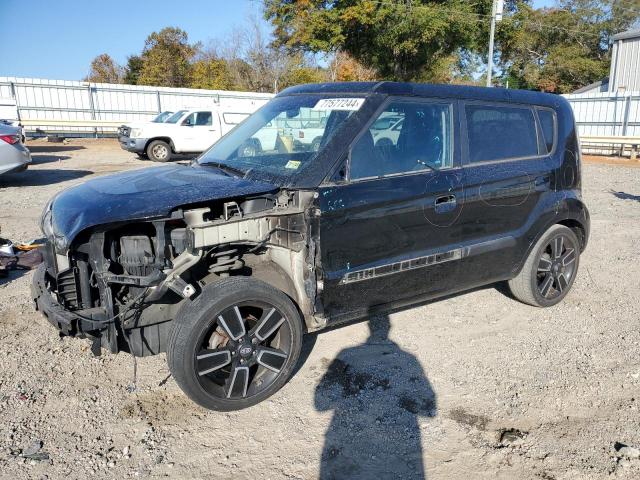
10,139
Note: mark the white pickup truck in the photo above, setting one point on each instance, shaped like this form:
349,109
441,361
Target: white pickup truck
191,130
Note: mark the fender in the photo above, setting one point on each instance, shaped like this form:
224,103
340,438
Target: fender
571,212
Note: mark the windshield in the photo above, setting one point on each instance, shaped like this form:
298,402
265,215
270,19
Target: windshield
282,138
162,117
175,117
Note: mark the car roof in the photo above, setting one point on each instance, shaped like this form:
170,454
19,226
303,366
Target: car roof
427,90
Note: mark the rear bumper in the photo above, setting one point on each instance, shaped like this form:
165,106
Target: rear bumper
16,169
135,145
66,322
17,159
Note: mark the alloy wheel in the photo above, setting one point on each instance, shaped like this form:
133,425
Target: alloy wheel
243,350
556,266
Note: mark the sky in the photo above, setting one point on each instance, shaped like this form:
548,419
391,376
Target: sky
58,39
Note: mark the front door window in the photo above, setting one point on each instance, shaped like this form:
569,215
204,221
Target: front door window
406,137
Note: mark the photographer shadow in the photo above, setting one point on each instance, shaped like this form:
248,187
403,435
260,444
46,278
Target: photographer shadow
378,392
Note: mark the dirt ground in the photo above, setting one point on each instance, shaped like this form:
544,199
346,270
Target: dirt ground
475,386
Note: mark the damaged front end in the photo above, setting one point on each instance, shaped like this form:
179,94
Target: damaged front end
122,284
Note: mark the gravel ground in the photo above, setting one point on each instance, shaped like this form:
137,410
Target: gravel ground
474,386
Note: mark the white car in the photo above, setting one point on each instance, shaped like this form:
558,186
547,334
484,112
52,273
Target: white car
310,133
9,115
186,131
14,157
386,130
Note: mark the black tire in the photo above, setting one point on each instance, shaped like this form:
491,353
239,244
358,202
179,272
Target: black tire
550,270
247,150
159,151
250,148
206,373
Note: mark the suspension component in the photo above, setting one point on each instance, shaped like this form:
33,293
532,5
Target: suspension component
225,261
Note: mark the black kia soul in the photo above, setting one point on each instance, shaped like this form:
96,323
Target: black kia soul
411,192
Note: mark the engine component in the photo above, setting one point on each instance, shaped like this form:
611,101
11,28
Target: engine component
179,240
136,255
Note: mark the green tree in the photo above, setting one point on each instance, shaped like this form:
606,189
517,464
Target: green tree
104,69
132,69
166,58
211,73
562,48
401,39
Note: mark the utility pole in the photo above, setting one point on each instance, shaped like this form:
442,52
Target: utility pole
496,16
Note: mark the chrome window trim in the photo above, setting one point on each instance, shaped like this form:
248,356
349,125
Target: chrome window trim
402,266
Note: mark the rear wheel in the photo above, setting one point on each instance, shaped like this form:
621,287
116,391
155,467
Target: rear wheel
550,270
159,151
235,345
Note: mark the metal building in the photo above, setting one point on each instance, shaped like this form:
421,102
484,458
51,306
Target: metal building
625,62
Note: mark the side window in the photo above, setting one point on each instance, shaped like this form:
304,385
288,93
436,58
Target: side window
500,132
405,137
203,119
190,120
548,124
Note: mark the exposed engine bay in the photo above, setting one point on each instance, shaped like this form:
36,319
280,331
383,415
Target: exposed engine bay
123,284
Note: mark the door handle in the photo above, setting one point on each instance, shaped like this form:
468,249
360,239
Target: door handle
445,203
542,181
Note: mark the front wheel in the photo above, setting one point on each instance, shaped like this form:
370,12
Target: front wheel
550,270
235,345
159,151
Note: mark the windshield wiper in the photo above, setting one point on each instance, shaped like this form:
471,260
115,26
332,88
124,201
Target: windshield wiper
427,165
226,168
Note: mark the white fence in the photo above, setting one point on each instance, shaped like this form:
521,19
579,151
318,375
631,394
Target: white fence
42,99
597,114
606,115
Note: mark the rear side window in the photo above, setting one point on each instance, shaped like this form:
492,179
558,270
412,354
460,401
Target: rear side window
500,132
234,118
203,119
548,125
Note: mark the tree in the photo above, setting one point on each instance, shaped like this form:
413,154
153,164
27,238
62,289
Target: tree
344,68
400,39
166,58
563,48
104,69
211,73
256,65
132,69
